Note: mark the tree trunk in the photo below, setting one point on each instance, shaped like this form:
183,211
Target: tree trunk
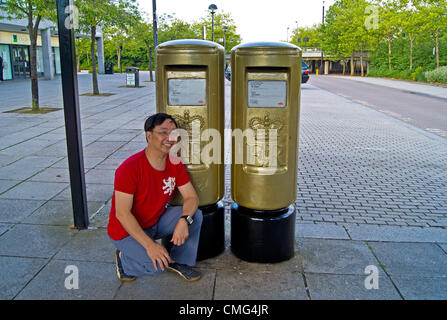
352,64
411,52
33,29
361,63
343,63
94,75
149,49
389,54
118,52
437,49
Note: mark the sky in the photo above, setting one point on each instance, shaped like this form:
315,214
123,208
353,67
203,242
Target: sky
256,20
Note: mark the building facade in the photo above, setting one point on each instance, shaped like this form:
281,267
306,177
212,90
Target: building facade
15,48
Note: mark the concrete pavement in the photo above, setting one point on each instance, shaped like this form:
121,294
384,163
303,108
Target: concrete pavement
371,200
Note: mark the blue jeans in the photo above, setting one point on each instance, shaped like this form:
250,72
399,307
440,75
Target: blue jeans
134,257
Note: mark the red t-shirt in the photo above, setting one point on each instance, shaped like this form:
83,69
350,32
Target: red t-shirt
151,190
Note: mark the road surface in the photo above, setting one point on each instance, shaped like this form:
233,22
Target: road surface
421,110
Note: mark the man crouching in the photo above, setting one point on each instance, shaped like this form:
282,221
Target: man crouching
143,186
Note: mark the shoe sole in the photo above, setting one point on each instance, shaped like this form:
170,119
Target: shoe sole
118,273
181,274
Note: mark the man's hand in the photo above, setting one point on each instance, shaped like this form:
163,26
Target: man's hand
158,254
181,232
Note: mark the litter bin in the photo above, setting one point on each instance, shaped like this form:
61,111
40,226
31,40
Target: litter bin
108,68
132,77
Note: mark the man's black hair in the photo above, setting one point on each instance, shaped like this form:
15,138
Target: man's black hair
156,120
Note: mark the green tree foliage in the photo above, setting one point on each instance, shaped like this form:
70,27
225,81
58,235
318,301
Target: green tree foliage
34,11
104,14
306,37
232,38
407,38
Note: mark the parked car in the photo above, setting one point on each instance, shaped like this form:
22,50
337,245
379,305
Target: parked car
228,73
304,72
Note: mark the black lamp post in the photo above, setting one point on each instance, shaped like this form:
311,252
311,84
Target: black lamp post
225,28
212,9
322,58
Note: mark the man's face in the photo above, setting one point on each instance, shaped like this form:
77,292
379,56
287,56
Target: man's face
162,137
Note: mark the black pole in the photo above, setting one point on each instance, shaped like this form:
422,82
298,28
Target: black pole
72,115
151,77
212,26
154,11
322,67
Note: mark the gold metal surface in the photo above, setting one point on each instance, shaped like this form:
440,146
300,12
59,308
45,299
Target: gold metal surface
262,184
195,59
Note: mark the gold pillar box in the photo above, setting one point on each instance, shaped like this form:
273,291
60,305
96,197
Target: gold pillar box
265,97
190,87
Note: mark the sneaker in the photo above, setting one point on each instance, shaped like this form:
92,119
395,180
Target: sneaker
119,269
185,271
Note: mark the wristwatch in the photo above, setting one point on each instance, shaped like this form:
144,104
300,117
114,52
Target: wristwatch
188,219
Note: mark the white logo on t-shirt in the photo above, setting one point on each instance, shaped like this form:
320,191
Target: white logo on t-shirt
169,185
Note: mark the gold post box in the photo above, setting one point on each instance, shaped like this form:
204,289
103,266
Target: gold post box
265,108
265,97
190,87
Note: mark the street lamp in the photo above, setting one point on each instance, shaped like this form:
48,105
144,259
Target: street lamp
212,9
322,58
225,28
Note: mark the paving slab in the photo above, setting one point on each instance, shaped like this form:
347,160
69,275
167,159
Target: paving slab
16,273
169,286
244,285
52,175
89,245
13,211
100,176
33,190
396,234
335,256
228,261
415,259
18,171
95,192
349,287
322,231
416,288
97,281
34,240
59,212
7,184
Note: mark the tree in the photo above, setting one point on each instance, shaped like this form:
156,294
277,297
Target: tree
104,13
434,15
232,38
34,11
391,18
306,37
344,31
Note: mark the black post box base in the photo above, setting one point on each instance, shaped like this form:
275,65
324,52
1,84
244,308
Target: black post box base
212,232
263,236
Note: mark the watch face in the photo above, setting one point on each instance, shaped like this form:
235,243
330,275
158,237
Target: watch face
189,219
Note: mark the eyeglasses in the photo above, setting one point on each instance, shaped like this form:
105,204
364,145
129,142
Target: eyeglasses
173,135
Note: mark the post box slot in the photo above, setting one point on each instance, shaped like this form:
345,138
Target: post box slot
267,87
187,85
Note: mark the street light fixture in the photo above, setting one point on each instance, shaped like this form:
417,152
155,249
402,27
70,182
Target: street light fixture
212,8
225,28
